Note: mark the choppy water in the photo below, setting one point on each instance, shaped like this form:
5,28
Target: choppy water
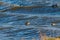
12,23
12,26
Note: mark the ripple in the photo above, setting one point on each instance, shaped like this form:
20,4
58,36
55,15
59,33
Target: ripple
12,23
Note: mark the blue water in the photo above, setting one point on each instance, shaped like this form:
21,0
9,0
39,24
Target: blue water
12,23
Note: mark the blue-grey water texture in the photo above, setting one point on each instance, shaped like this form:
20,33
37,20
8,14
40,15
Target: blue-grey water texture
13,27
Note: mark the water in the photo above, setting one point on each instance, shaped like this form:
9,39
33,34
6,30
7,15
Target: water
13,26
12,23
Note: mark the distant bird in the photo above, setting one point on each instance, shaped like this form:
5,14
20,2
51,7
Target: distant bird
53,24
55,6
27,23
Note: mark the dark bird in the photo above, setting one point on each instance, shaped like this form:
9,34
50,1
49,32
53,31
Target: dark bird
27,23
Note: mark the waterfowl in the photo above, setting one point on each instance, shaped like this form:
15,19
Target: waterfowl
27,23
53,24
55,6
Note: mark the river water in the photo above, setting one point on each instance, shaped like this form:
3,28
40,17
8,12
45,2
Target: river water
12,23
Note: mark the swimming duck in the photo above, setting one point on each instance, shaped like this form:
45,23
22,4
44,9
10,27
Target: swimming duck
27,23
53,24
54,6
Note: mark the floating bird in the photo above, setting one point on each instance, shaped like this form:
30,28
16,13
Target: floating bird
53,24
27,23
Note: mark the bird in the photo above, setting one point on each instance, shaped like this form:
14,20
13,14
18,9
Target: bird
27,23
53,24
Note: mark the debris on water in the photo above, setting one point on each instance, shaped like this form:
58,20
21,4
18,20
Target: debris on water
27,23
